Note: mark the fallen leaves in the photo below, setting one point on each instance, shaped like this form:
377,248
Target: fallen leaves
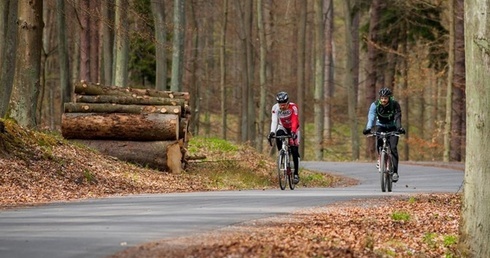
351,229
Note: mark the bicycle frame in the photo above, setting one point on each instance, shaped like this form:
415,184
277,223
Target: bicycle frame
284,163
386,158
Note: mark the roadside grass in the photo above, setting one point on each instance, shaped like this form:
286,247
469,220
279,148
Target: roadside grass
227,165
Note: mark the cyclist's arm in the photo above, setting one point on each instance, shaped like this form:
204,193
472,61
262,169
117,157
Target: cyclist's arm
398,115
294,119
371,116
274,118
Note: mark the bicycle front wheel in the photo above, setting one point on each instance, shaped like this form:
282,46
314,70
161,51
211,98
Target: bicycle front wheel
281,170
389,173
290,172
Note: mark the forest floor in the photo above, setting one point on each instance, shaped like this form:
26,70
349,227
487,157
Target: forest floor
38,168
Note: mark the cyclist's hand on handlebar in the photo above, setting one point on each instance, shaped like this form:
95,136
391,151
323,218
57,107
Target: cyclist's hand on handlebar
366,131
294,136
271,135
269,138
401,130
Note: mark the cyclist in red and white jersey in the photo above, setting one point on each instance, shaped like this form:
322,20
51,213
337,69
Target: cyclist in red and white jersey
285,120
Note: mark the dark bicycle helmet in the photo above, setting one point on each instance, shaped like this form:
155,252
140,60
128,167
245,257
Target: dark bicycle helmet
282,97
385,92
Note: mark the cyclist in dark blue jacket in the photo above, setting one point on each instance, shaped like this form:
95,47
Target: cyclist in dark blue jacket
386,114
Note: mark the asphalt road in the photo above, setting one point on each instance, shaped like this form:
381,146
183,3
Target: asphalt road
101,227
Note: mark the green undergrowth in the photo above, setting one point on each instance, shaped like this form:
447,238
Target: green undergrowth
235,166
16,141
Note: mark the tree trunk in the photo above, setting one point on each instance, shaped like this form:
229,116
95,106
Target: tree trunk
86,88
222,59
65,83
475,226
319,78
84,13
130,100
94,34
71,107
23,103
350,77
262,75
107,40
300,72
161,155
178,45
450,81
121,126
121,45
458,129
158,11
371,66
252,123
8,57
329,67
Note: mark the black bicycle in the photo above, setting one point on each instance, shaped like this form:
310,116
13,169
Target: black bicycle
285,164
386,167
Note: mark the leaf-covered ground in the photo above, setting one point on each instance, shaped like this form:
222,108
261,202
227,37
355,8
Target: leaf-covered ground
37,168
421,226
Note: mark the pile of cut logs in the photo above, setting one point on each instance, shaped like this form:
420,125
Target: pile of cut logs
144,126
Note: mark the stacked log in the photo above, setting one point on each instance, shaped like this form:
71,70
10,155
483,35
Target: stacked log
144,126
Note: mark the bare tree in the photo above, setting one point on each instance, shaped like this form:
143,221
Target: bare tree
244,24
475,226
178,45
300,71
318,97
94,31
372,64
65,83
262,74
351,76
158,11
8,61
23,102
222,61
458,129
85,40
450,81
329,66
121,58
107,12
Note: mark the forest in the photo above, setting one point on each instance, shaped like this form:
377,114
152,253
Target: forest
331,56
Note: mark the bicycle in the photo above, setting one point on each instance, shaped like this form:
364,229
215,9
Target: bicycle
385,160
285,164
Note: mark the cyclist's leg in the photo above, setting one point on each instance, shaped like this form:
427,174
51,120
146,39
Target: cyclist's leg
295,150
280,132
394,152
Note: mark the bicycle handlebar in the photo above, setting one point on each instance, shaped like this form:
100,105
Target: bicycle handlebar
283,136
384,134
288,136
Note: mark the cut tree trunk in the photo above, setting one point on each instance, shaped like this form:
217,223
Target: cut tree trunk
120,126
72,107
144,126
87,88
130,100
161,155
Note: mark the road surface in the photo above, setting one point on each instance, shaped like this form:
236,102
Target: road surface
101,227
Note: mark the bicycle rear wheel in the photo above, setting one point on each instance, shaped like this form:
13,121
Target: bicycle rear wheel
281,170
290,172
382,169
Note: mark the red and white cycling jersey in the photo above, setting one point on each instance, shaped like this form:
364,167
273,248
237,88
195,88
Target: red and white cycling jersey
285,119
